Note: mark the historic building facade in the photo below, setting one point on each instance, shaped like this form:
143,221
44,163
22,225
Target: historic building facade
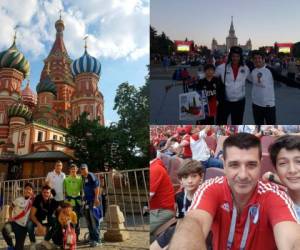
36,122
231,40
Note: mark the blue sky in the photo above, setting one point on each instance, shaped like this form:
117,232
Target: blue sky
264,21
118,33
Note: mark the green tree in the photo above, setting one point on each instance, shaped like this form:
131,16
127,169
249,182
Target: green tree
132,105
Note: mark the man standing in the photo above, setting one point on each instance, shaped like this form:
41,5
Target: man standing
55,180
73,189
92,205
42,216
19,214
241,211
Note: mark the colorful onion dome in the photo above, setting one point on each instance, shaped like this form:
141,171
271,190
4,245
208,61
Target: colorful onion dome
13,58
20,110
46,85
86,64
28,96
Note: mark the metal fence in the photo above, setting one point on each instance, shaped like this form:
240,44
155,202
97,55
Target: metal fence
127,188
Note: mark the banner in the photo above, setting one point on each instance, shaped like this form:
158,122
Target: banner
193,106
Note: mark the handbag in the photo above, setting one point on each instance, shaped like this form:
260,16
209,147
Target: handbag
69,237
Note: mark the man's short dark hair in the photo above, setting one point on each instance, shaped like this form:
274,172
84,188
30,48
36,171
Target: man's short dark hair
257,53
46,187
190,167
209,66
288,142
242,141
29,184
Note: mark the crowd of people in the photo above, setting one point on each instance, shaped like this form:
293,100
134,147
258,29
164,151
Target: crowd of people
244,208
223,81
55,212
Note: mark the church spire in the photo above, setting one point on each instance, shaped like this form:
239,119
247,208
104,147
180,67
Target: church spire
231,30
58,47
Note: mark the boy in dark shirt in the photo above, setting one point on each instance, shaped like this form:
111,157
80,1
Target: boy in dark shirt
212,88
191,176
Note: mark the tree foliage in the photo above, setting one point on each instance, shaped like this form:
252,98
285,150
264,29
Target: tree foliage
122,145
160,43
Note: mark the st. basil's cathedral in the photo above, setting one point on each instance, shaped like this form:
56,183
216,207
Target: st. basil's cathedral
32,126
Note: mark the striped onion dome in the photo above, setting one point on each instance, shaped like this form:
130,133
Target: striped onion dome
28,96
13,58
19,110
86,64
46,85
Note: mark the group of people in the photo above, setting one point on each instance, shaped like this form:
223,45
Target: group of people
55,212
241,210
225,88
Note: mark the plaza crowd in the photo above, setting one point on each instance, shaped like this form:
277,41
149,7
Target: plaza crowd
55,212
223,80
185,206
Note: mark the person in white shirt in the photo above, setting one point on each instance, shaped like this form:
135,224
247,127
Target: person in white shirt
263,96
233,74
17,223
200,151
55,179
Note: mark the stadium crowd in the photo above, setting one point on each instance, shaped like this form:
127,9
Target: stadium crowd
252,187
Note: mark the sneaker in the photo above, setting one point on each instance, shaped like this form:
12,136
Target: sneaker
32,246
46,244
95,244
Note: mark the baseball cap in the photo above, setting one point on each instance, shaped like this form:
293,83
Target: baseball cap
83,165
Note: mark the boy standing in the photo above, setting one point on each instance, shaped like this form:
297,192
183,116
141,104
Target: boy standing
211,85
263,97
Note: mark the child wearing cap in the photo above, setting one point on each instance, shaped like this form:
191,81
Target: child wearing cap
191,176
263,96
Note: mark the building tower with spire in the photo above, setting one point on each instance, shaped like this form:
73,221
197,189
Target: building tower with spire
231,39
87,97
57,70
14,68
33,126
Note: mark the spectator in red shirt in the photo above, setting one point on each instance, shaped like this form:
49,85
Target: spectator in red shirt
162,201
241,211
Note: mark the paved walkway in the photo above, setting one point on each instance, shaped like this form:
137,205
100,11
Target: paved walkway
164,105
137,240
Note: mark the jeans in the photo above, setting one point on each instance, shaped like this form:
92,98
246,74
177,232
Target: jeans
92,223
212,162
20,234
50,229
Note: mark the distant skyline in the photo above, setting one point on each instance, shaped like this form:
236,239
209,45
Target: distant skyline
264,22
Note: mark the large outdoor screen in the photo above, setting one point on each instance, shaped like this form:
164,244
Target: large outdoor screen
286,50
183,48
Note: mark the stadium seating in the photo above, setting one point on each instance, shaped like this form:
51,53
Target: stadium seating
213,172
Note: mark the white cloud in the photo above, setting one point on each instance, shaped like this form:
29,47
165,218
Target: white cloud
116,28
